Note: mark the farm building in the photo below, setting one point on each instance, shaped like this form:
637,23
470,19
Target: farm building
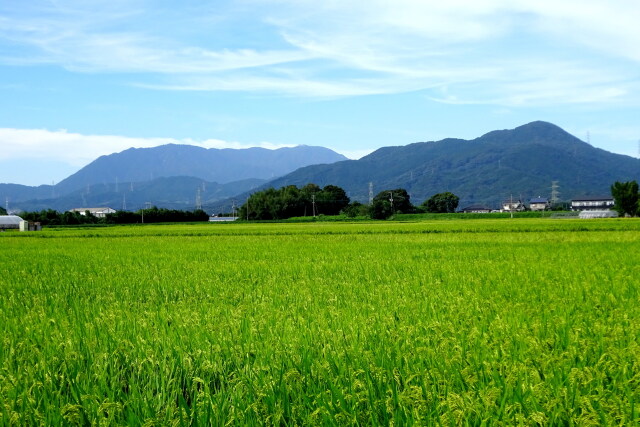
592,203
513,206
476,209
97,212
539,204
598,214
222,218
8,222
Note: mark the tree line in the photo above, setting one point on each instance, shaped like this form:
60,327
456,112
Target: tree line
151,215
311,200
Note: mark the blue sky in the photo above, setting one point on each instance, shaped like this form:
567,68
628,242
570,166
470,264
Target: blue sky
80,79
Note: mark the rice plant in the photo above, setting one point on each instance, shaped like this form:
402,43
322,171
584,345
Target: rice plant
531,322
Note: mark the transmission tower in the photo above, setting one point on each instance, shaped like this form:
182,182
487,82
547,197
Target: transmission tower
370,192
124,201
554,192
198,200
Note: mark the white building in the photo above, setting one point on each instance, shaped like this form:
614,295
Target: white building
97,212
476,209
539,204
592,203
513,206
8,222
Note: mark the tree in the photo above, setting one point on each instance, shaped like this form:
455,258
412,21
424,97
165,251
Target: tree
355,209
442,203
389,202
625,195
331,200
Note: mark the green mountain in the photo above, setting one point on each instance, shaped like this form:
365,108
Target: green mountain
212,165
521,162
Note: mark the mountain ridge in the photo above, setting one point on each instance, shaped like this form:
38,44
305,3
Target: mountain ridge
488,169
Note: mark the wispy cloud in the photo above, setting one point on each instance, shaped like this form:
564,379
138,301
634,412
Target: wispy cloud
516,51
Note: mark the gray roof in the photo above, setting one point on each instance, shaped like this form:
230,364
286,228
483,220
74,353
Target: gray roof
10,221
591,198
476,208
539,200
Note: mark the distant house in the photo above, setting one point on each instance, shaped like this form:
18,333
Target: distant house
513,206
592,203
476,209
539,204
97,212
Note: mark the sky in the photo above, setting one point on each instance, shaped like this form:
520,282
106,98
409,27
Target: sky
85,78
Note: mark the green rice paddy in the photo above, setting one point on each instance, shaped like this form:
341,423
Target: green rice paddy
495,322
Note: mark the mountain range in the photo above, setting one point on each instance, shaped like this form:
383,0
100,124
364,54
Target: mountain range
172,176
521,162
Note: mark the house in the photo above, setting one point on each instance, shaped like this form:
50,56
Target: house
592,203
476,209
539,204
97,212
513,206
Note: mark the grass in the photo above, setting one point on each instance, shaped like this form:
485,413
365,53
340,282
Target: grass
454,322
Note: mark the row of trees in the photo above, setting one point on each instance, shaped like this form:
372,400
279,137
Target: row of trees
290,201
311,200
151,215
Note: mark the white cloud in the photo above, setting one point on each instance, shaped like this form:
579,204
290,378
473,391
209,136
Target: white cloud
78,149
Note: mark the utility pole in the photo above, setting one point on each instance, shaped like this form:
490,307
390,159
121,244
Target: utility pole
391,200
511,207
313,203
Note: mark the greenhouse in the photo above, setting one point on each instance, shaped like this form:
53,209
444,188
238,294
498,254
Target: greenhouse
10,222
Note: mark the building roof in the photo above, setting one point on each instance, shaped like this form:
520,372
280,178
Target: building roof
539,200
10,220
476,208
591,198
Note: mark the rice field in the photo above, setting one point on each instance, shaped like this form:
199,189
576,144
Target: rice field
498,322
